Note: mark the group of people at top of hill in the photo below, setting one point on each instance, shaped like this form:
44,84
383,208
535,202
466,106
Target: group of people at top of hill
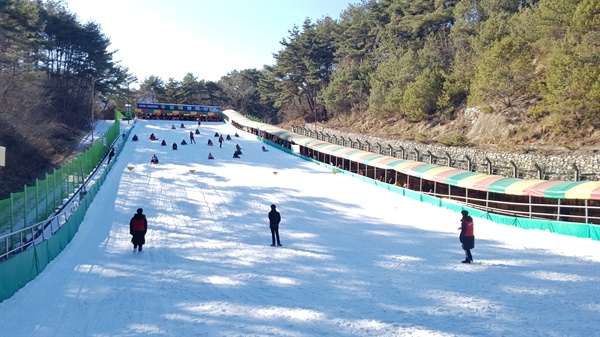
221,139
174,146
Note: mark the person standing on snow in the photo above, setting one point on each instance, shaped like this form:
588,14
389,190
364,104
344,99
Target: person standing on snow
111,154
467,237
192,138
221,141
138,226
274,220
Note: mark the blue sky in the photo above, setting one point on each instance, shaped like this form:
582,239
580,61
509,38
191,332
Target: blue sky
209,38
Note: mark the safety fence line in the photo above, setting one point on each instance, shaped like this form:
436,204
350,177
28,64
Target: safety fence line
21,268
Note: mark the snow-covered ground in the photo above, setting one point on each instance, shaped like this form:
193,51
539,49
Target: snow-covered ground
356,260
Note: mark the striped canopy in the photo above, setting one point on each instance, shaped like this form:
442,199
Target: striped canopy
441,174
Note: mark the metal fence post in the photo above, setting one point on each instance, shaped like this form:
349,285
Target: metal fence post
469,163
539,171
514,168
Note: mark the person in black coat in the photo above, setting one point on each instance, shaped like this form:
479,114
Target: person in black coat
274,220
467,236
111,154
138,226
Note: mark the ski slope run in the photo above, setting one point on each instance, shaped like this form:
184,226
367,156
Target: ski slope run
356,260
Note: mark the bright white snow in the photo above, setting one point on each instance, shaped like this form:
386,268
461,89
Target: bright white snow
356,260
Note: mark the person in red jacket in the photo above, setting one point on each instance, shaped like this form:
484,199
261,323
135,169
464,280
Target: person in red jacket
467,236
138,226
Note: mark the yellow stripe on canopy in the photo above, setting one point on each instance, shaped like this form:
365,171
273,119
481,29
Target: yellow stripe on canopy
518,187
583,191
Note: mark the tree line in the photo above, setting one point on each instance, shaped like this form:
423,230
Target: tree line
416,59
423,60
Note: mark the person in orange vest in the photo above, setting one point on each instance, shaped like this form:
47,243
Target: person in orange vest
138,226
467,236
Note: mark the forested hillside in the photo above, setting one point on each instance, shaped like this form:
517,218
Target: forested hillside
463,72
433,70
535,62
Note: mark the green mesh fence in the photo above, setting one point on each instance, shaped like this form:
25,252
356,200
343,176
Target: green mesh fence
25,266
35,203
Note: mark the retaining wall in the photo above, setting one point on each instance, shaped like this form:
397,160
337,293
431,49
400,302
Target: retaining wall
524,166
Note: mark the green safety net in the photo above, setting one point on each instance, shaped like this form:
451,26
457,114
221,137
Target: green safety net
36,202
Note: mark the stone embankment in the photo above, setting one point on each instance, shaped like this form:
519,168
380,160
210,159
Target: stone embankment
525,166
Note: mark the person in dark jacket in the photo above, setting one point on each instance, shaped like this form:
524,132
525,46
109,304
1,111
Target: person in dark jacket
111,154
274,220
138,226
467,236
192,140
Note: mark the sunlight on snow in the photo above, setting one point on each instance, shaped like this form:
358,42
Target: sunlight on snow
281,281
236,310
222,280
115,271
452,301
396,261
146,329
562,277
528,291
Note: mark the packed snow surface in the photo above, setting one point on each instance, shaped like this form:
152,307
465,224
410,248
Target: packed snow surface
357,260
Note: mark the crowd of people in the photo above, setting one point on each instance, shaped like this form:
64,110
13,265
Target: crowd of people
192,140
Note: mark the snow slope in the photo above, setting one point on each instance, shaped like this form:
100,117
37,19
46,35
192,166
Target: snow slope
356,260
